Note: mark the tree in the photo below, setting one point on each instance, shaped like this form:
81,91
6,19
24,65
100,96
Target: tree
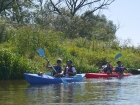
16,10
76,5
5,4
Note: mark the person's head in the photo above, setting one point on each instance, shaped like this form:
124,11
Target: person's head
69,62
59,61
119,62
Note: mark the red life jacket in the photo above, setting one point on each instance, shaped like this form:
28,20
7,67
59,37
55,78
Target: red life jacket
69,70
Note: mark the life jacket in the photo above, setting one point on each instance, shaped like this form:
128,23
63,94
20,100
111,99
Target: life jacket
69,70
58,69
107,69
119,69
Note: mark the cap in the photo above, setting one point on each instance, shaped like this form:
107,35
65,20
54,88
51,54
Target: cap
69,61
59,60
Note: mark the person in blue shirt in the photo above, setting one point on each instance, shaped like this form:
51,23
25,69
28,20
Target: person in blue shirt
108,69
119,69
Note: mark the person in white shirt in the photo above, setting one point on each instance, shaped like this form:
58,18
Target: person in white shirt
70,69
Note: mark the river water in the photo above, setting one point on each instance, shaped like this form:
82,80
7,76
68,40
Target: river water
114,91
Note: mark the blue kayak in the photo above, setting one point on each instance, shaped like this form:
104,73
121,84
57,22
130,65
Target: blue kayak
46,79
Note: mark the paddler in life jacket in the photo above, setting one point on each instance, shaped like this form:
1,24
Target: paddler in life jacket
58,68
70,69
119,69
108,69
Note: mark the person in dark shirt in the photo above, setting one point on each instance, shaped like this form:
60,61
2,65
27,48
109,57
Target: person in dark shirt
58,68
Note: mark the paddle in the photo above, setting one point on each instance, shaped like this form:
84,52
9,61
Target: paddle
116,57
41,53
130,68
133,69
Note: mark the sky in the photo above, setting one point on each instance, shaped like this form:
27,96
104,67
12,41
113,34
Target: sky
127,14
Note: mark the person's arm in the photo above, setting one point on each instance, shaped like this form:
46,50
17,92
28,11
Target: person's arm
115,70
60,74
100,70
62,71
125,70
47,65
104,70
111,68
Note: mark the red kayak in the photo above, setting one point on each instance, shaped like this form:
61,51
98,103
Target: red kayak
105,75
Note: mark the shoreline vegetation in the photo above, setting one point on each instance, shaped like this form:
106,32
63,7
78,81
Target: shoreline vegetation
19,53
88,40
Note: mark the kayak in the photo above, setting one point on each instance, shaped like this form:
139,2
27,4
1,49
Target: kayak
105,75
47,79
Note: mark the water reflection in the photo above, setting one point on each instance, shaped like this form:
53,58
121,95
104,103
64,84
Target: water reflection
11,92
54,93
90,92
116,91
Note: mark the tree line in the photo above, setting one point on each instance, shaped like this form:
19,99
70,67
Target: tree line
76,18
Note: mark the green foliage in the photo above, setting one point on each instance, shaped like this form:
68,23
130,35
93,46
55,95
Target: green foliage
26,40
13,66
87,55
92,26
17,10
5,30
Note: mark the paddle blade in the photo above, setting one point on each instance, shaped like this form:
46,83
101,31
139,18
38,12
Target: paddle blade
64,81
41,52
118,55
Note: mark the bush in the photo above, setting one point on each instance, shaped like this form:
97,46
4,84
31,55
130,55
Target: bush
13,66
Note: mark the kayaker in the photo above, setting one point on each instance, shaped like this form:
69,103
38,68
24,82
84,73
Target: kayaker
119,69
58,68
69,69
108,69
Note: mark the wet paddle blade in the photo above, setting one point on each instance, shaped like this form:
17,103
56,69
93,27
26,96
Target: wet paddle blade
41,52
64,81
118,55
